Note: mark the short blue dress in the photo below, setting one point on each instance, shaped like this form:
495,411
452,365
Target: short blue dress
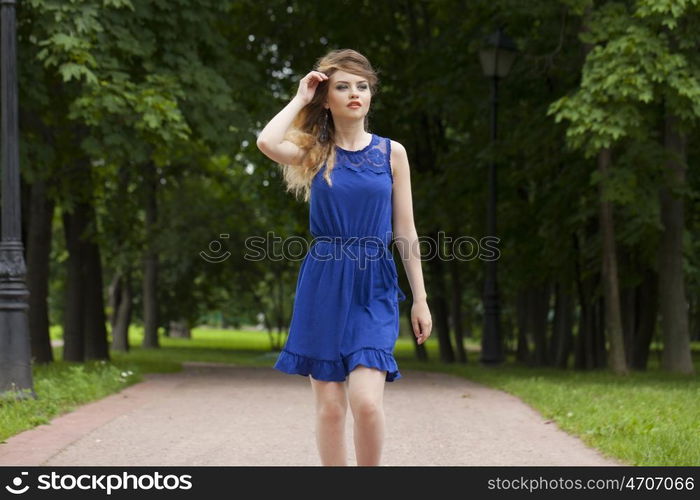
346,307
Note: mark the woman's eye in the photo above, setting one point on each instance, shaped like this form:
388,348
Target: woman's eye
340,87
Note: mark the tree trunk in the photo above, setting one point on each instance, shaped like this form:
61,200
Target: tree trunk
538,311
122,316
611,293
468,322
693,317
74,225
440,323
522,354
562,333
673,303
150,261
628,302
38,251
508,333
457,309
114,296
586,357
95,322
589,346
647,301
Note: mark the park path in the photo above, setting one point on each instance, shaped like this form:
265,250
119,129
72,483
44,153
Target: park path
215,414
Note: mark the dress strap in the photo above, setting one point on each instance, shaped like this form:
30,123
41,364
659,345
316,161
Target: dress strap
388,158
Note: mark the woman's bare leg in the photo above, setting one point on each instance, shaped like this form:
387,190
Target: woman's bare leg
366,395
331,410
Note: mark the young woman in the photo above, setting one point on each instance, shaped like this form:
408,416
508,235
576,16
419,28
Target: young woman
345,319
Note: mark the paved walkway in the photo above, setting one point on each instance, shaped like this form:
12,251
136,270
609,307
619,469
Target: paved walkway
211,414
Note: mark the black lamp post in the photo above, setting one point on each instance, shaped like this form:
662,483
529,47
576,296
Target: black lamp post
496,59
15,350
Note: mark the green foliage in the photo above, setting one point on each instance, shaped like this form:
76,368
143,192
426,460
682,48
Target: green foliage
631,64
668,12
578,7
124,84
186,85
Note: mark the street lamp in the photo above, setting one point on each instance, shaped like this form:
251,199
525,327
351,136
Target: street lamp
498,55
15,350
496,59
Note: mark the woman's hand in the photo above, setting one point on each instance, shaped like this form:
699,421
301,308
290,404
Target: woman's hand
421,320
308,86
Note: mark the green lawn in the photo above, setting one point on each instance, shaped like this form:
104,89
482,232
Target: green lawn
642,419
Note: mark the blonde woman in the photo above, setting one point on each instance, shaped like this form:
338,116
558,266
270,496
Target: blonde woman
345,319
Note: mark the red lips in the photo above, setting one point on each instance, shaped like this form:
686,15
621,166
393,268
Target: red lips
355,103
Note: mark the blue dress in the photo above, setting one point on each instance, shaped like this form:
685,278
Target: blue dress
346,307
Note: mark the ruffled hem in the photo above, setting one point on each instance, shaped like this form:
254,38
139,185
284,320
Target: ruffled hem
320,369
373,358
338,370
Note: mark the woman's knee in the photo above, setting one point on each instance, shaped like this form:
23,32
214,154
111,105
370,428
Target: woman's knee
366,407
331,399
331,410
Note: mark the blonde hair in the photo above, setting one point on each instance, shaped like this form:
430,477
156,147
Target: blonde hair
306,127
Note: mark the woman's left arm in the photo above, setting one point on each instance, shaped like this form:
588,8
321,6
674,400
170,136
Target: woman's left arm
406,239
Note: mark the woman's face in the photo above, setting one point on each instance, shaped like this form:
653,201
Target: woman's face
344,88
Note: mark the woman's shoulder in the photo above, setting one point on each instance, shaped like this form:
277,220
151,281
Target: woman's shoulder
396,152
396,149
395,146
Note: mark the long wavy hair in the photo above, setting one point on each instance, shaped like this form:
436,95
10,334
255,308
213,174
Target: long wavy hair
305,130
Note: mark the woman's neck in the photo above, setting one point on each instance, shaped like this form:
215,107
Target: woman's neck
351,136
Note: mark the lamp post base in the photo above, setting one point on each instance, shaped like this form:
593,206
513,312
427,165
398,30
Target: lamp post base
15,350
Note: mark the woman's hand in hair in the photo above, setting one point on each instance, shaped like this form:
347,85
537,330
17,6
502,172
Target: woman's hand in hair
309,84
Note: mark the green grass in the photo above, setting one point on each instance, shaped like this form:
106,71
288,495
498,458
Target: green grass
648,418
61,387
